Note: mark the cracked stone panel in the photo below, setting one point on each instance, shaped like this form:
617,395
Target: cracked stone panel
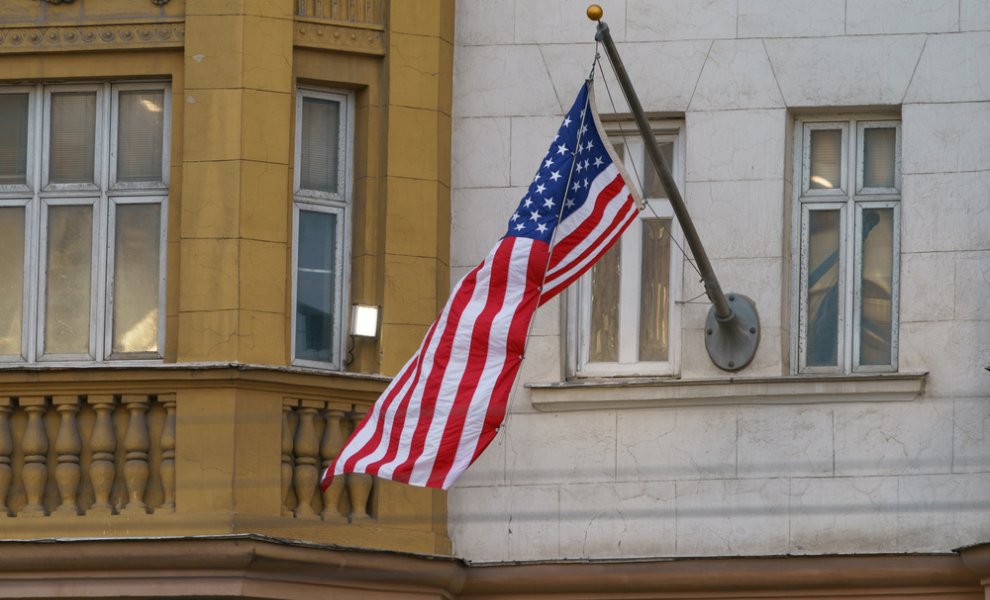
927,280
973,273
664,73
938,513
622,520
902,16
534,523
738,219
945,211
680,19
479,217
491,81
953,68
971,440
732,517
564,21
562,447
959,371
782,441
791,18
530,139
543,360
737,74
695,443
946,138
483,22
844,71
480,165
893,438
489,469
974,15
843,515
735,145
479,522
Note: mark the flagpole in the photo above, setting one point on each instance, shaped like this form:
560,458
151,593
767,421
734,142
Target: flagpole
732,330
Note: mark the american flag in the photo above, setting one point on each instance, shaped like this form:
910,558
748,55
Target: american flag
446,404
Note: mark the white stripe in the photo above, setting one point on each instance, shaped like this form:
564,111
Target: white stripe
577,267
574,220
610,215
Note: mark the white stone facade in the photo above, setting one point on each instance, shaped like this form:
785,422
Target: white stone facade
858,473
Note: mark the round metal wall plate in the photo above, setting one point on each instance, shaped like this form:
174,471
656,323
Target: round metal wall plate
732,343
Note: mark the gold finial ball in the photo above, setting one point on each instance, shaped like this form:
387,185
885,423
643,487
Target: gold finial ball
595,12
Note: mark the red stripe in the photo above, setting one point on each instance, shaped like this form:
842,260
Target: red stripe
478,356
564,246
431,392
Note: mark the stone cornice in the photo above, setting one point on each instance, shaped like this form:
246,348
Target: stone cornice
357,38
57,38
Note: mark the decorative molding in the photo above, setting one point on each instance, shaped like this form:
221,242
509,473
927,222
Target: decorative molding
359,39
156,2
92,37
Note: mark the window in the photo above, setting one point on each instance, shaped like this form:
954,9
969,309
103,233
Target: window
622,311
321,225
83,194
847,224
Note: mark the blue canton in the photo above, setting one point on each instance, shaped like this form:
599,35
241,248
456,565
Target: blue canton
577,139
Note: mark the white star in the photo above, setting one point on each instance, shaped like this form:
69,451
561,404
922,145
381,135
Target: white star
585,183
515,216
576,186
583,110
548,162
541,188
586,163
562,149
583,129
519,227
598,161
534,216
555,176
579,167
541,228
548,202
567,121
589,146
537,178
527,202
569,203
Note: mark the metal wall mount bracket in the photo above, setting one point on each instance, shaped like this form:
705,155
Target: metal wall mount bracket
732,342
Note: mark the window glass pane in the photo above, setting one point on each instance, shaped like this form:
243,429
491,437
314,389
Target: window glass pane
140,123
604,335
320,144
652,188
879,156
73,137
654,307
13,138
877,284
67,301
315,285
826,158
11,278
136,277
823,288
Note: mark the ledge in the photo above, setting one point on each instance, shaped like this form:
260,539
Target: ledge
656,392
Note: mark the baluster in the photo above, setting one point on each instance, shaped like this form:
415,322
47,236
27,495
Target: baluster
168,452
306,454
301,8
287,437
103,444
334,9
136,443
67,445
333,439
369,11
318,8
35,446
359,484
6,449
352,10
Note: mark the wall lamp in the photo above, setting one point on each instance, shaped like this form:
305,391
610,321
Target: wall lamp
364,320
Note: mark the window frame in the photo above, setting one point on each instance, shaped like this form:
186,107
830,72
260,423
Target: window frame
578,298
340,204
850,201
39,195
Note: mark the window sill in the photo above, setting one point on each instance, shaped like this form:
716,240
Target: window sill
789,389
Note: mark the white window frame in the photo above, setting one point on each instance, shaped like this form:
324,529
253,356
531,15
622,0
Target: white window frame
850,203
40,194
340,204
579,297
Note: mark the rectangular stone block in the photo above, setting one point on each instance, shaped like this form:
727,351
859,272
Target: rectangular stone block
731,517
480,522
411,213
927,279
735,145
737,75
266,198
414,73
534,529
213,126
960,371
952,69
210,200
843,515
410,291
791,18
738,219
548,448
207,335
782,441
208,278
974,15
267,56
266,138
480,153
945,211
263,276
214,52
682,443
543,359
973,286
942,138
936,513
410,153
498,81
680,20
485,22
971,438
902,16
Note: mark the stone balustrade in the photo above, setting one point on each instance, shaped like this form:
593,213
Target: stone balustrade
369,12
99,454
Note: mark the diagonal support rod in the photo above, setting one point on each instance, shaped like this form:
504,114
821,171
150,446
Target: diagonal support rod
732,331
